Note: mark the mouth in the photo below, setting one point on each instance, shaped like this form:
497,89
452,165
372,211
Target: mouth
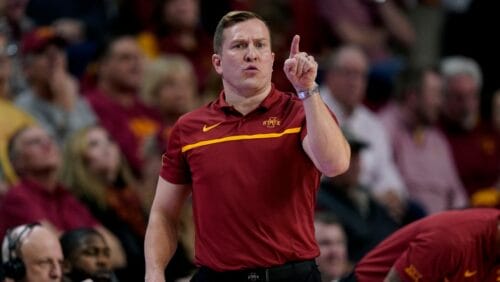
251,68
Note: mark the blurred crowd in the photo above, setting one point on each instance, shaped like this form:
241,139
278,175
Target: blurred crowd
90,89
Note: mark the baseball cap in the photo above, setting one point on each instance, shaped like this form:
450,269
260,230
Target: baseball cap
40,38
355,142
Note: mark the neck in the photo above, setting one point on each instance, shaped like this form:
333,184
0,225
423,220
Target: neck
123,96
409,115
43,91
245,101
48,179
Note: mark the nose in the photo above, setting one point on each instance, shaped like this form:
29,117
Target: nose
56,271
47,143
251,54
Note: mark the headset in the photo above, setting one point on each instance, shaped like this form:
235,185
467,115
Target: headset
14,266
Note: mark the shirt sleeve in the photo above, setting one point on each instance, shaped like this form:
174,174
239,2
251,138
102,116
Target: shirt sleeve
175,168
379,171
428,258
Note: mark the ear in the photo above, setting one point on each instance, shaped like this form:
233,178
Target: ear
216,62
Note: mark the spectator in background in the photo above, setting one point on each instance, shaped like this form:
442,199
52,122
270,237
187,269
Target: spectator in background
82,23
376,26
343,91
36,159
475,146
421,152
177,31
170,87
74,20
365,221
31,253
53,95
14,24
86,256
12,118
96,173
116,101
333,261
370,24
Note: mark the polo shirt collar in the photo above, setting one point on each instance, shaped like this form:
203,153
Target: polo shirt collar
265,105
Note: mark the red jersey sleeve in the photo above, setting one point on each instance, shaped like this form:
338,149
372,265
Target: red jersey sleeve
428,258
175,168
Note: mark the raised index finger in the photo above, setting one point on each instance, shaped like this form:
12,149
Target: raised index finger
294,48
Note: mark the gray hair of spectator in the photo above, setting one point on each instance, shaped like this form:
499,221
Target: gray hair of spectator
229,20
335,59
456,65
15,236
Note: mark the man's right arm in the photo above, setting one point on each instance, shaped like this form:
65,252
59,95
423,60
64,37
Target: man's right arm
392,276
161,235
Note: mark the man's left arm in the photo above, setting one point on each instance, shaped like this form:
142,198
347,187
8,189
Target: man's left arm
324,143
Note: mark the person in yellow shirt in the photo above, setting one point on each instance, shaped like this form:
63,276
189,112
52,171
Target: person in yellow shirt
12,118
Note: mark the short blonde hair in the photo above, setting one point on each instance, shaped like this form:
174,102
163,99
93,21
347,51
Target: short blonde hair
160,68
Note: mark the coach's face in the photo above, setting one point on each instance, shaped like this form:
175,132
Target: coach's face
246,60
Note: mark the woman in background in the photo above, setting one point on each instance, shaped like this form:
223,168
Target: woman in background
99,176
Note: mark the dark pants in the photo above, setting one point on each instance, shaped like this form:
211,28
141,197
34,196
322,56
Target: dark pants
306,271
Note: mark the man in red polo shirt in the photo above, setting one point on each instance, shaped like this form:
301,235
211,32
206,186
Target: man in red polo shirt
461,245
252,160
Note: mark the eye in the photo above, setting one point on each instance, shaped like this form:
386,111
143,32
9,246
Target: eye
240,45
260,44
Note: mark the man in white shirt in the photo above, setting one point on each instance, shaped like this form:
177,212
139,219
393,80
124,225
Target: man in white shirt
343,91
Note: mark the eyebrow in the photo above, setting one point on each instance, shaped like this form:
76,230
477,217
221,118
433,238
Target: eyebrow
238,40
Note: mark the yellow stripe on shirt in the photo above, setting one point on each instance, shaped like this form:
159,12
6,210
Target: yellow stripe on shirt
241,137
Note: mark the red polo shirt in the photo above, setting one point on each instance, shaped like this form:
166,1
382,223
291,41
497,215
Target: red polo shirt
254,187
449,246
30,202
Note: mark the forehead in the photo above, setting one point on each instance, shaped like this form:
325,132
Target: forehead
41,243
431,77
352,58
123,45
31,132
334,230
247,30
96,132
92,240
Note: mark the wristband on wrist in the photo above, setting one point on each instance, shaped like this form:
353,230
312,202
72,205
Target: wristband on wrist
304,94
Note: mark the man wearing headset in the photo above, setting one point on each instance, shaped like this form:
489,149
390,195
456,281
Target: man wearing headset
32,253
